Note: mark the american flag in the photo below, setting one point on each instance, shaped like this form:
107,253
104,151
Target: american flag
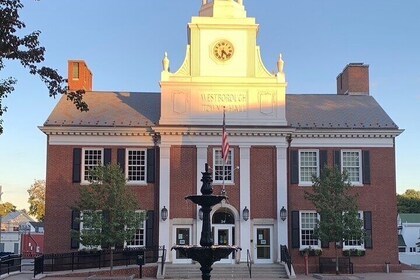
225,143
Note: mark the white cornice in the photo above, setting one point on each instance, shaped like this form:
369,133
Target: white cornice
96,131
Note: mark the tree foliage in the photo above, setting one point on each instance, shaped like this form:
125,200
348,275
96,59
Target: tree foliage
36,199
27,50
409,202
108,209
6,208
338,208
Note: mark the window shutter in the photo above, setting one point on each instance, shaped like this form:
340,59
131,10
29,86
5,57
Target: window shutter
323,158
121,158
75,226
105,228
149,228
107,156
324,244
77,164
295,230
367,220
337,159
151,165
294,165
366,167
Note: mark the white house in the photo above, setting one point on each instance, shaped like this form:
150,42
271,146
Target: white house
409,234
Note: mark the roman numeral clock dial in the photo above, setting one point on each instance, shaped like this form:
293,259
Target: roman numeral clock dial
223,50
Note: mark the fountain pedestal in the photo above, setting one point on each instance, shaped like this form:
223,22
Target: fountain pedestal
207,253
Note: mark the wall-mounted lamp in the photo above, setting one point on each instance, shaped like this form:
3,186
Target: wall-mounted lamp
164,213
245,214
283,213
200,214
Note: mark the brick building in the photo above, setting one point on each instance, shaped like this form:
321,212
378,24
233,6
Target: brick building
277,141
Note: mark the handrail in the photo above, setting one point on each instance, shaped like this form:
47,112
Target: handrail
249,262
163,259
285,257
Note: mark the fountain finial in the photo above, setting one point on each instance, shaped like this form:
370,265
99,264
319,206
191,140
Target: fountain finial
206,188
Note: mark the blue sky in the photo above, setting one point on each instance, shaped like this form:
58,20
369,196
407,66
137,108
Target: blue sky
123,43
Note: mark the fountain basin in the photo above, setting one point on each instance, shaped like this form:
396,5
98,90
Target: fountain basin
206,200
206,254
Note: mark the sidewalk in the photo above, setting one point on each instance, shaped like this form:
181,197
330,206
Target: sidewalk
406,275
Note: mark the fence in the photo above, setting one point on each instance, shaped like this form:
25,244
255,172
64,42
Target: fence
10,263
94,259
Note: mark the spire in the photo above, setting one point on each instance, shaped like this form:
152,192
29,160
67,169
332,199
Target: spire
223,9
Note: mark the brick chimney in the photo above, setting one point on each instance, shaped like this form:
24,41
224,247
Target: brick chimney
79,76
354,80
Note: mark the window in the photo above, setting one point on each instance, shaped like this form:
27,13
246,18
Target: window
90,222
308,222
91,159
354,243
222,171
308,166
352,162
75,70
139,238
412,249
136,165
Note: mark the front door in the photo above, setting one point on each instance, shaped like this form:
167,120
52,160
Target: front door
263,244
222,235
182,237
224,231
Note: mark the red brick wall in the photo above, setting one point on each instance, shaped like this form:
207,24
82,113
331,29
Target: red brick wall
378,197
263,182
183,181
61,195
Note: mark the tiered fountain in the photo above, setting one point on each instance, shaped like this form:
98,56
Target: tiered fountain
207,253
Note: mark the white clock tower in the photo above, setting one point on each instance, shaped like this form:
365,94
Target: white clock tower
223,68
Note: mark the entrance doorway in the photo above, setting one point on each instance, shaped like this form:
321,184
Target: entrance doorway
224,231
182,236
263,244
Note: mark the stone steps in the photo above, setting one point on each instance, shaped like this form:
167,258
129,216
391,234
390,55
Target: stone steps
192,271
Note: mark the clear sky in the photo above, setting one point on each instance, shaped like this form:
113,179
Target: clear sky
123,43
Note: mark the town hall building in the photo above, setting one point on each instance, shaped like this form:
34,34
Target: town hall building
277,141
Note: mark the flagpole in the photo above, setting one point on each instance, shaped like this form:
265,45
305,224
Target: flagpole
224,157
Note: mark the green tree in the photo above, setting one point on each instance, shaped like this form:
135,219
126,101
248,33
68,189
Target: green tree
6,208
409,202
26,49
338,208
36,199
108,210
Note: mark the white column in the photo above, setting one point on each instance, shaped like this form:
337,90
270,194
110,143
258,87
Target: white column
281,196
201,161
245,200
164,198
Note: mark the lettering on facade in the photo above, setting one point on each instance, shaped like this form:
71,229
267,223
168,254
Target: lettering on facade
214,102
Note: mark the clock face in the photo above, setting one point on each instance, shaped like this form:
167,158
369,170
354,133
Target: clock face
223,50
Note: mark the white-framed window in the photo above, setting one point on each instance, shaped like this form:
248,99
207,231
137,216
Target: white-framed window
354,243
308,166
412,249
89,222
92,157
222,171
351,161
136,167
139,238
308,222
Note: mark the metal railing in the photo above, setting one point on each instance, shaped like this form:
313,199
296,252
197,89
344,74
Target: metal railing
163,259
249,262
285,257
10,263
95,259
